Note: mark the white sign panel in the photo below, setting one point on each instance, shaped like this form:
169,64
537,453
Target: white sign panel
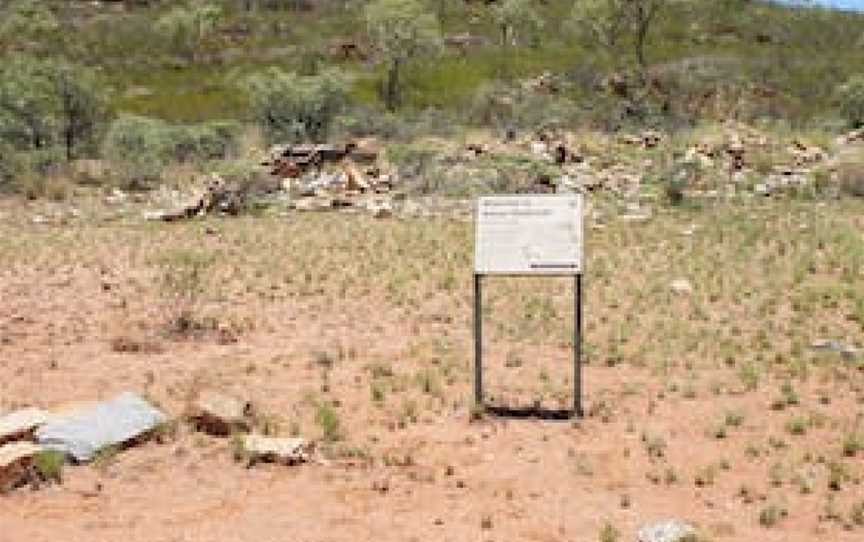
528,235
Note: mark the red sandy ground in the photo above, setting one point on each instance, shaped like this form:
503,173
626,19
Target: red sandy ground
445,477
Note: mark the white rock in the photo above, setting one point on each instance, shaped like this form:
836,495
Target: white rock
280,450
671,530
681,286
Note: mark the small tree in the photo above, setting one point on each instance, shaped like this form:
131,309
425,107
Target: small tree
296,108
186,28
81,107
851,101
607,20
47,103
28,108
401,30
517,20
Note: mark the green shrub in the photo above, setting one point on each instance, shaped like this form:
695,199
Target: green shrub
48,103
184,29
608,533
328,420
199,142
291,107
138,147
49,465
771,515
502,105
851,100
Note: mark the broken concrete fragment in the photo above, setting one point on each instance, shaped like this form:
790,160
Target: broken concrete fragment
16,464
19,425
288,451
83,433
219,414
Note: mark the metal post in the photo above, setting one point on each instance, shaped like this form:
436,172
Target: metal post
577,346
478,341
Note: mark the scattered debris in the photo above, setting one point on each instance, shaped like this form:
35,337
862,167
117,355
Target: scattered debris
83,433
19,425
286,451
217,195
332,176
16,464
671,530
219,414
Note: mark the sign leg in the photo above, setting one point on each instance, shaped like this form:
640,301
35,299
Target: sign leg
577,346
478,341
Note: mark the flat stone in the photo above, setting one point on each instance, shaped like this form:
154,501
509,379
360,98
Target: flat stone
671,530
16,460
81,434
220,414
279,450
19,425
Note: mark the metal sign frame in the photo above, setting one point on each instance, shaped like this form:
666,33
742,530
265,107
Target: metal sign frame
577,339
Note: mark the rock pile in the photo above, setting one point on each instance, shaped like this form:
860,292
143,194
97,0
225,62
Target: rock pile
326,177
312,177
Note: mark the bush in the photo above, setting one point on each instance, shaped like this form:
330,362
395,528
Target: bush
46,103
138,147
502,105
851,101
210,141
141,146
295,108
49,465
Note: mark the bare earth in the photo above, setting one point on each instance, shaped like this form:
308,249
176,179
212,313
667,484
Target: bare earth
300,311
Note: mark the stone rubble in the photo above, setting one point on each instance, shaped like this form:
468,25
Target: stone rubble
730,159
